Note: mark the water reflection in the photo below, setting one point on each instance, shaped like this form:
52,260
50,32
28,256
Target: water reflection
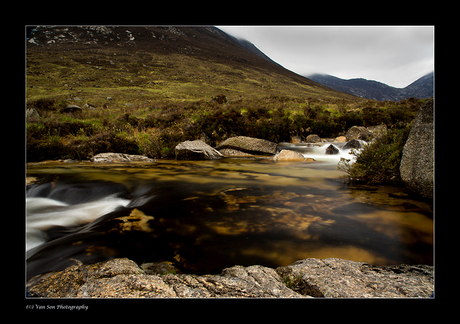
205,216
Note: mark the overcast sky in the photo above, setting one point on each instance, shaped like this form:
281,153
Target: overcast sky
395,55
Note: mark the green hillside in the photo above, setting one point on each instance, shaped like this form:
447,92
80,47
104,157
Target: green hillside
142,90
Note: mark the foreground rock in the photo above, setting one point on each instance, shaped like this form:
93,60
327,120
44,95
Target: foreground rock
342,278
119,157
123,278
249,145
417,163
196,150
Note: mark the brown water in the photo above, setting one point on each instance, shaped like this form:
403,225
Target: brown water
207,215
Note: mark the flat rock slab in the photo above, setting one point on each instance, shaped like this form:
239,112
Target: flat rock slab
343,278
119,157
249,145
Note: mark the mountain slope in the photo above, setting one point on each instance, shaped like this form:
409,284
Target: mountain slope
420,89
174,63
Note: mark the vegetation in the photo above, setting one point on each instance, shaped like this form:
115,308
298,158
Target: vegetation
379,161
155,129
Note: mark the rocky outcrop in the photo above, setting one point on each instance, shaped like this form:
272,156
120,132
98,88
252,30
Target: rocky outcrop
119,157
249,145
343,278
123,278
417,163
196,150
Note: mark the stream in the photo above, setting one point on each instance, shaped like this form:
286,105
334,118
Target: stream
204,216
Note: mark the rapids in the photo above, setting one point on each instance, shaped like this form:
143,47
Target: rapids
204,216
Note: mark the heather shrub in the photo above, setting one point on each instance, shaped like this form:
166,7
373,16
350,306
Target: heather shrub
378,161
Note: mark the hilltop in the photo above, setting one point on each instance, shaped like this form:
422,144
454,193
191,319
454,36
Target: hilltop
421,88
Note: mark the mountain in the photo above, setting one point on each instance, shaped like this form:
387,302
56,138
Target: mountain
174,63
420,89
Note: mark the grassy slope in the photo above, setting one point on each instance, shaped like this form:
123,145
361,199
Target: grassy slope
162,96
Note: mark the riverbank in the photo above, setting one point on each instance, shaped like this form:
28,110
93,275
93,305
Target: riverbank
336,278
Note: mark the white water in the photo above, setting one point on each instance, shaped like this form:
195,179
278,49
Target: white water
319,152
44,213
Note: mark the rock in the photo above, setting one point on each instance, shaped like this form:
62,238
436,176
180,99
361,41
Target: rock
108,98
88,106
196,150
354,143
123,278
296,139
331,149
32,112
417,163
159,268
377,129
289,156
342,278
119,157
313,138
72,109
358,132
234,153
249,145
340,139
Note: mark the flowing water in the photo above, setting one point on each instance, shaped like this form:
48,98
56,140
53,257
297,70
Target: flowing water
207,215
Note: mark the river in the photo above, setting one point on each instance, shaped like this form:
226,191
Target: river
204,216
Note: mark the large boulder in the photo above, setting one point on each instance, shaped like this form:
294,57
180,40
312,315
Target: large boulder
196,150
358,132
119,157
417,163
249,145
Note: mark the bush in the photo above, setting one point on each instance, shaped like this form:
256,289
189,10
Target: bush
378,161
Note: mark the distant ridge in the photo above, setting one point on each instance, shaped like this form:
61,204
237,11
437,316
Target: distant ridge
420,89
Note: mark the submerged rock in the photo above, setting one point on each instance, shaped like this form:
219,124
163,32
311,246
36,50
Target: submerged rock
119,157
417,163
249,145
122,278
196,150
